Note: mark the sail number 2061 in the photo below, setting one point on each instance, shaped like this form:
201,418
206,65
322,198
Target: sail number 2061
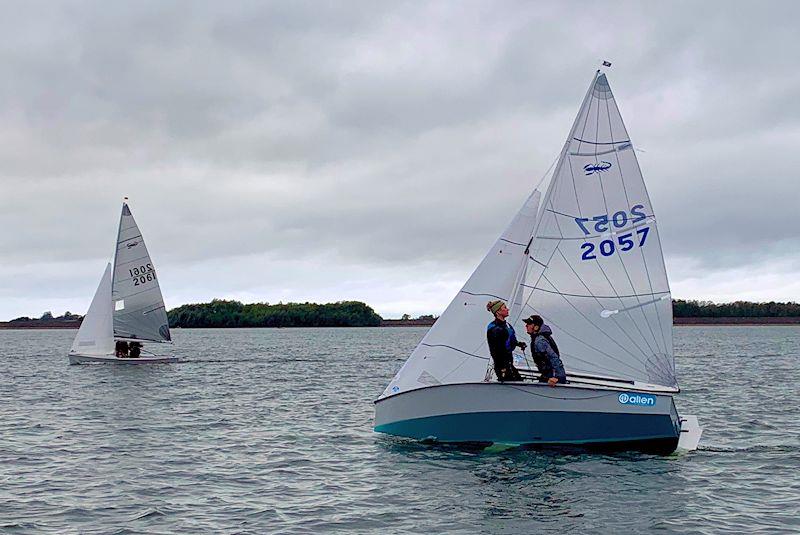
142,274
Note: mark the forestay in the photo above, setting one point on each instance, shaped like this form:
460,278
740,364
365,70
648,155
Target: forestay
139,311
455,349
96,335
596,272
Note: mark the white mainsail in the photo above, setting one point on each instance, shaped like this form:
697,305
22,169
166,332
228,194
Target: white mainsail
455,350
96,334
594,269
139,311
597,273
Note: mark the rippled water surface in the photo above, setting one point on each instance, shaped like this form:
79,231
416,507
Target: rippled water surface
265,431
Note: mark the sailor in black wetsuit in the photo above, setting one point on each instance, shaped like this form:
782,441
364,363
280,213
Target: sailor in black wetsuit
121,349
502,341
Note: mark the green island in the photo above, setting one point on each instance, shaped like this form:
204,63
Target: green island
737,309
221,313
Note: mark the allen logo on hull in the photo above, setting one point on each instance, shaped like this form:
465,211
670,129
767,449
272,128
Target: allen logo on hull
643,400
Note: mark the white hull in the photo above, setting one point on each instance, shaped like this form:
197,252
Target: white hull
76,358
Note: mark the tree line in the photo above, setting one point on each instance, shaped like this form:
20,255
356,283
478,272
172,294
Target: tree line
737,309
48,317
222,313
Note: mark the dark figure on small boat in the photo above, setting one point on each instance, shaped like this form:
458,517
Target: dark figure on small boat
502,341
136,350
545,351
121,349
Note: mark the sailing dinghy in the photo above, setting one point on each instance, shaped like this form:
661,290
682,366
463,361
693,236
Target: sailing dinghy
588,259
127,307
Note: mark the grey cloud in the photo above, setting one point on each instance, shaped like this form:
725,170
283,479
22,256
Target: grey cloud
383,135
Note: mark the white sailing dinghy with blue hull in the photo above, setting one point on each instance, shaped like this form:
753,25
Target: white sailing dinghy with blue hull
128,305
589,261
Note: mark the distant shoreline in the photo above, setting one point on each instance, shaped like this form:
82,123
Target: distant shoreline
752,321
40,324
408,323
791,320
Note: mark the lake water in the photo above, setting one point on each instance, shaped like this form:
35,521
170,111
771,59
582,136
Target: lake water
264,431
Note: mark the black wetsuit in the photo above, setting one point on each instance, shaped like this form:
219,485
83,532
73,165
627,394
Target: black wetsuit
502,340
121,349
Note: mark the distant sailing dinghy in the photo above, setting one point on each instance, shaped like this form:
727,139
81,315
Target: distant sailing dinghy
127,307
589,261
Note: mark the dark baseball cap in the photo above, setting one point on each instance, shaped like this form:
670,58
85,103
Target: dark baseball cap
535,320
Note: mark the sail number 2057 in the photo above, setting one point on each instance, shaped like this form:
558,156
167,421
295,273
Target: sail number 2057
603,223
142,274
625,242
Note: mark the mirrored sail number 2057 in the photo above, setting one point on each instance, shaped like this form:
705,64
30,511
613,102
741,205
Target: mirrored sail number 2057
142,274
603,223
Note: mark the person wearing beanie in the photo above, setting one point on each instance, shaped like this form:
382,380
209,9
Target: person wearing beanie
545,351
502,340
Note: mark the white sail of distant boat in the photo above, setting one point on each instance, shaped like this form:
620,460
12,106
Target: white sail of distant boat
96,333
139,312
589,261
127,307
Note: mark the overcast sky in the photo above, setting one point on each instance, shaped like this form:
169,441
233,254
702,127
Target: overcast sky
293,151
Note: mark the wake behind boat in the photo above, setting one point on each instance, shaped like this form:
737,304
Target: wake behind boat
127,309
589,261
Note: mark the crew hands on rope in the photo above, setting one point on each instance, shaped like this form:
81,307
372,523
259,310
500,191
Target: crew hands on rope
502,340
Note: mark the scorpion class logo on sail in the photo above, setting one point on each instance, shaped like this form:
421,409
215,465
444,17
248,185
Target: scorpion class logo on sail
595,168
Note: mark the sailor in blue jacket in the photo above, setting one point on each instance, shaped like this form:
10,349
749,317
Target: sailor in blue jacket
545,351
502,340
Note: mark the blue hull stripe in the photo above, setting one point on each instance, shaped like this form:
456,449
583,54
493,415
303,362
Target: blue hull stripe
542,427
